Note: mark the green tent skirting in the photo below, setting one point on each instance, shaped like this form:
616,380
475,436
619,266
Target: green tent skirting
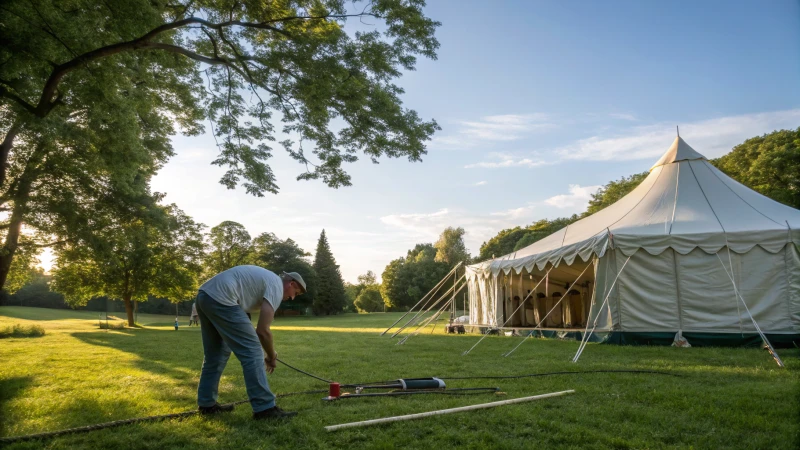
666,338
702,339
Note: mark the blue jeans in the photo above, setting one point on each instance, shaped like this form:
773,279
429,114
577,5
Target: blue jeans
225,328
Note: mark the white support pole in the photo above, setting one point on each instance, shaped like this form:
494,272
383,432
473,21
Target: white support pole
446,411
430,304
761,333
518,307
539,325
430,319
435,288
585,339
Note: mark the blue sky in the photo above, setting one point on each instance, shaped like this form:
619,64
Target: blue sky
540,102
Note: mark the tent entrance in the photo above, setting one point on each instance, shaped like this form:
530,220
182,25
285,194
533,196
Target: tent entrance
561,300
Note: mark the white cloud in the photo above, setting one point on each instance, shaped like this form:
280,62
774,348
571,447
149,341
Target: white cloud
420,223
498,128
515,213
480,183
507,127
506,160
578,197
712,138
629,117
426,227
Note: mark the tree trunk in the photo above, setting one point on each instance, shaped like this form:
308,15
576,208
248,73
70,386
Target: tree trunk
129,310
5,150
20,198
10,244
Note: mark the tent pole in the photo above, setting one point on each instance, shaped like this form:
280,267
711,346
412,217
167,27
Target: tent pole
435,288
414,319
566,291
520,306
594,324
432,318
761,333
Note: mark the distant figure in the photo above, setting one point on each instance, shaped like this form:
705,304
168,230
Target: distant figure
194,317
222,304
176,323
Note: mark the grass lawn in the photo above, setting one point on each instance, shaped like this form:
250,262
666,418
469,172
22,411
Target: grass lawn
79,375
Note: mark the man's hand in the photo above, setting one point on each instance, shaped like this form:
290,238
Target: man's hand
271,363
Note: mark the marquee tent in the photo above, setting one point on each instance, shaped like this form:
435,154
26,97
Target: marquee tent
689,252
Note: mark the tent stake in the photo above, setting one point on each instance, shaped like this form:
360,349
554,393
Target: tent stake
446,411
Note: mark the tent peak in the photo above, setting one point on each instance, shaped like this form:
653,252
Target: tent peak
678,151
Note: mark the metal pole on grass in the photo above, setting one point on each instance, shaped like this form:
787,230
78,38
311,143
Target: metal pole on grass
446,411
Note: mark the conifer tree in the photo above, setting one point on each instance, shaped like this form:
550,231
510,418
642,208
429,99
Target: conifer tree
331,297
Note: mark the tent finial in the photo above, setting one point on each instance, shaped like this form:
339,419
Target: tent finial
678,130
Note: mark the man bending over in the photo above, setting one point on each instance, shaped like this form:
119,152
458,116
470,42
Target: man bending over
222,304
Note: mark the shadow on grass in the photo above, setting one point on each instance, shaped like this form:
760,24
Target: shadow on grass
10,388
159,351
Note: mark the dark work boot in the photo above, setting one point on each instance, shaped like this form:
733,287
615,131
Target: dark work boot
216,408
273,413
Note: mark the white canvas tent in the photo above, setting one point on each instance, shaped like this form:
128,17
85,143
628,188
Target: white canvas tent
678,234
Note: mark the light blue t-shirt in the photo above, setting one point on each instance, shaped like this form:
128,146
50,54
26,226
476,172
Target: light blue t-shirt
245,286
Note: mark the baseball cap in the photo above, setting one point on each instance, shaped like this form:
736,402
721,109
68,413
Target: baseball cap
296,277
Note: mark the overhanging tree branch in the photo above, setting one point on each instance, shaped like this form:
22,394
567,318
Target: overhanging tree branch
45,105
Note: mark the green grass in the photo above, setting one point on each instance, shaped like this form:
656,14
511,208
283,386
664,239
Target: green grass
79,375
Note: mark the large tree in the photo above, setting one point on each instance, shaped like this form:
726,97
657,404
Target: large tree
133,258
91,90
229,246
450,247
406,280
769,164
284,255
331,297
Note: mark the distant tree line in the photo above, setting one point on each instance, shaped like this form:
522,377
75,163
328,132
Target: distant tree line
157,270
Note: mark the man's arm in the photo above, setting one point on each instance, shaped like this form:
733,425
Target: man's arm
265,334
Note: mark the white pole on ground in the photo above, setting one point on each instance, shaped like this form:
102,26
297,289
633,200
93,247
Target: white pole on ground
446,411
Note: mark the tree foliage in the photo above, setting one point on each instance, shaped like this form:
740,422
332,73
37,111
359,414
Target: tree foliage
369,300
450,247
229,246
192,60
279,256
23,268
91,93
513,239
769,164
331,297
406,280
133,259
613,192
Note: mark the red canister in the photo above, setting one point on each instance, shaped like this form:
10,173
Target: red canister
334,390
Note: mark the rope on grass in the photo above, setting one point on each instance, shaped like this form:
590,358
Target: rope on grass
117,423
305,373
